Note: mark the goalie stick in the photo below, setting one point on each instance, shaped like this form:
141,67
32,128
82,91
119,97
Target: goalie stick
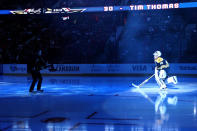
143,93
138,86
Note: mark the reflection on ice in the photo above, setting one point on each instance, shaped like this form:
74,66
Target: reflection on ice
195,108
21,125
160,101
161,107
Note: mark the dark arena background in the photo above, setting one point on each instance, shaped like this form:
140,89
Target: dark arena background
105,65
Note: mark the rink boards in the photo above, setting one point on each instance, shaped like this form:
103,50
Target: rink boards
175,68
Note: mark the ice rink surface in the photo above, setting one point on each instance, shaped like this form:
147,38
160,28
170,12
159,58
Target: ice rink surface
72,103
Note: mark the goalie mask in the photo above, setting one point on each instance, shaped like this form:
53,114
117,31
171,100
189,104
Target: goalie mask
157,53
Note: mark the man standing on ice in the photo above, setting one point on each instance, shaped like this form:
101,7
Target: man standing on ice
37,64
161,69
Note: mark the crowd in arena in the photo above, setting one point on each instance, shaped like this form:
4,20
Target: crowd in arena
96,37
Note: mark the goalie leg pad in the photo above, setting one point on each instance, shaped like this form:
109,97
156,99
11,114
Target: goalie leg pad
162,74
160,80
172,79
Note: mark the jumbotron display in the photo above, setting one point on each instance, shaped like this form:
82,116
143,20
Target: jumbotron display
133,7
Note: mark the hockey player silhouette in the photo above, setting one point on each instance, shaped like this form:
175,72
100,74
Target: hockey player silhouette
161,71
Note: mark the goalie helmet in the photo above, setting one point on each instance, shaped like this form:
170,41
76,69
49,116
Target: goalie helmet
157,53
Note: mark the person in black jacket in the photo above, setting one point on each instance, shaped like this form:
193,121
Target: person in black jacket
36,65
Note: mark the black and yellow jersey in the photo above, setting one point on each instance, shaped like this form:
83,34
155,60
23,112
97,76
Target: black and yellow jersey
161,63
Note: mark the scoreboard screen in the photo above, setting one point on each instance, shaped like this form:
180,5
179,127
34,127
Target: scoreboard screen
133,7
